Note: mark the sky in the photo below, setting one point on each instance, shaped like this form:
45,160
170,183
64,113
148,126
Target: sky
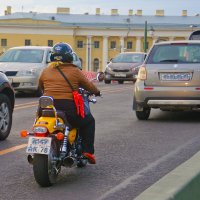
171,7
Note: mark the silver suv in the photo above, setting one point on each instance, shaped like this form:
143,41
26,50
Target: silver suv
169,79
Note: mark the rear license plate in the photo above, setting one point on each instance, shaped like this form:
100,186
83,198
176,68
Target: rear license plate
175,76
39,145
120,75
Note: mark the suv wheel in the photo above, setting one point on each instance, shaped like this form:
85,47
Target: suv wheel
120,82
143,115
5,116
107,81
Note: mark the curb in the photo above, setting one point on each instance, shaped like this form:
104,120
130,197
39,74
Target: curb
183,183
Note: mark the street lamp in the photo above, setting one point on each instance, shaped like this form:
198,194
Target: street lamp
145,37
151,32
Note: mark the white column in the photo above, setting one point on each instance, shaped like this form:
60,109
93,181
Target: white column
105,52
121,44
171,38
138,43
88,53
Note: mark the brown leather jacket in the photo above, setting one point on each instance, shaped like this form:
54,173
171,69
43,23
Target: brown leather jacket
53,83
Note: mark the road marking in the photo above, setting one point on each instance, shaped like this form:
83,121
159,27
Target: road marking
23,104
35,103
26,106
15,148
131,179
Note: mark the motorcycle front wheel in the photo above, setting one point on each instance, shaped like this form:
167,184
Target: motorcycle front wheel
45,169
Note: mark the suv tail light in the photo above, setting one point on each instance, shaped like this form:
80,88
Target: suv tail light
142,74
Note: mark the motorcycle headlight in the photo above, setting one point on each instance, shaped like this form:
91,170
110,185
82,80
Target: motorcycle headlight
30,72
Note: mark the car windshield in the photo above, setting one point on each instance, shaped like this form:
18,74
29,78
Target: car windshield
128,58
23,55
174,53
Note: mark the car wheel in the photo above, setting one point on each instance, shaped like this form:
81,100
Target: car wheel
143,115
107,81
120,82
5,116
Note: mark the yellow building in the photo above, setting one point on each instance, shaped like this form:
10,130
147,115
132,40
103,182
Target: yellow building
95,38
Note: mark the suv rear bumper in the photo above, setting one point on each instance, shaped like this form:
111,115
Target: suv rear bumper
160,102
166,97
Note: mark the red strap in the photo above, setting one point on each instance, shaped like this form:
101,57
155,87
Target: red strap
78,100
81,103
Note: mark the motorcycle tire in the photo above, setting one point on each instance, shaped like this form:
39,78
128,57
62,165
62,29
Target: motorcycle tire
44,172
82,163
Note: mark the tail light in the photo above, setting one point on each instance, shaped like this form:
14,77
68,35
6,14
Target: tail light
40,131
142,74
60,136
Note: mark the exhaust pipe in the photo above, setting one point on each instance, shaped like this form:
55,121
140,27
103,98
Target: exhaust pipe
69,161
30,159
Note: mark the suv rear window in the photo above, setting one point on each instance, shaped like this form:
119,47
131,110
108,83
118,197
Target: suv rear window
174,53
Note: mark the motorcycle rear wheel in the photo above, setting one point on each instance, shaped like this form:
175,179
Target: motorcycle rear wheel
45,172
82,163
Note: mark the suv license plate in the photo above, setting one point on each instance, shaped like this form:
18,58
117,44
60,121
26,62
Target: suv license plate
120,75
39,145
175,76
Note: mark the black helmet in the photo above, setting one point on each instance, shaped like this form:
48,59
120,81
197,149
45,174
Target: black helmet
62,52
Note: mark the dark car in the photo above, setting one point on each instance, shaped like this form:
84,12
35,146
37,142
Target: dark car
124,67
7,101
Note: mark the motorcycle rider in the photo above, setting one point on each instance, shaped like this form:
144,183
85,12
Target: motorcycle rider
54,85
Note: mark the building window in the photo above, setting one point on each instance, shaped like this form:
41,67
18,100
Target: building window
79,44
129,45
96,64
27,42
96,44
4,42
50,43
113,44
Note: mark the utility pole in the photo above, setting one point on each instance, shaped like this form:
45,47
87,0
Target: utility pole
145,37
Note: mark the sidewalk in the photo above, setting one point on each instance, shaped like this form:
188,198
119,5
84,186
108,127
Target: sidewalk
183,183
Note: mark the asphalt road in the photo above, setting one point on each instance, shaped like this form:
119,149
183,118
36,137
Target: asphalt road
131,154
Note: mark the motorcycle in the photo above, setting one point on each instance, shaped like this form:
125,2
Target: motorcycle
53,142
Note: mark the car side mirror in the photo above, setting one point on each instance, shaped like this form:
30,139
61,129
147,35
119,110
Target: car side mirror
100,76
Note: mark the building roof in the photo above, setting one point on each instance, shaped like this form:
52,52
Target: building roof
109,21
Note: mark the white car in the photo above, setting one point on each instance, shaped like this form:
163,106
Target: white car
23,65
